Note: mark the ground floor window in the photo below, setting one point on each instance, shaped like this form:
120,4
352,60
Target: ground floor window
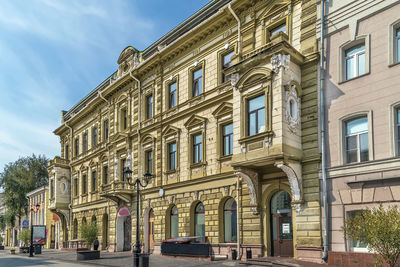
230,221
174,222
199,220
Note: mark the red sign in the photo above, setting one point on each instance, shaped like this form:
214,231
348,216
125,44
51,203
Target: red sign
124,211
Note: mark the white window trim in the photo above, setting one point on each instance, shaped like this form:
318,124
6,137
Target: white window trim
392,51
393,129
358,143
342,57
342,136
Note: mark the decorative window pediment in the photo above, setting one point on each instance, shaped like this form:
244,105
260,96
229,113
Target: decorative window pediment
273,9
225,109
171,131
195,122
253,77
148,141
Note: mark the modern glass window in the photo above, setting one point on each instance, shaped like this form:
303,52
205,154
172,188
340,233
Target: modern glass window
226,63
149,161
66,152
172,95
199,220
124,119
256,115
398,131
94,180
105,129
172,156
357,140
149,106
355,61
230,221
105,174
84,184
278,29
94,136
197,82
197,148
76,147
174,222
75,187
85,142
227,139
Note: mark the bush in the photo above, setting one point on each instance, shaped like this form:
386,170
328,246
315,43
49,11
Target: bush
1,239
380,230
88,233
25,236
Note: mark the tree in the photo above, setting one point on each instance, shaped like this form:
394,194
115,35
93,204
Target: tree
379,228
25,236
21,177
89,233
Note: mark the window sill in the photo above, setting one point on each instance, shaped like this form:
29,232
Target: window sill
198,97
225,158
255,137
84,195
355,78
394,64
198,165
170,171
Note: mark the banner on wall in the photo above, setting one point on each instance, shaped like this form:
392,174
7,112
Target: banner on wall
39,234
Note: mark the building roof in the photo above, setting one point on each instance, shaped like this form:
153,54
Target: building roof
36,191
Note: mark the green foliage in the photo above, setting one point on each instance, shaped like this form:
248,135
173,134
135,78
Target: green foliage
88,233
9,218
21,177
3,223
379,228
1,239
25,236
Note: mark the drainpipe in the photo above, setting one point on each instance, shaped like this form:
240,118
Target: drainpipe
238,21
237,219
71,191
322,129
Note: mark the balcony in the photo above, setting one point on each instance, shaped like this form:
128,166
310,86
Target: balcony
117,190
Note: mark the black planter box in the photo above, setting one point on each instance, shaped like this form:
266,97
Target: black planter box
23,249
185,249
87,255
1,247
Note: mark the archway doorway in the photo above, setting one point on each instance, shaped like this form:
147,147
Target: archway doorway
281,224
124,229
151,230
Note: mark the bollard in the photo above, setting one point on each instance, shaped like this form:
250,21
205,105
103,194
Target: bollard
234,254
248,253
144,260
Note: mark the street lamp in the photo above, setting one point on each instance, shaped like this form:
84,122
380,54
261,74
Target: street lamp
143,183
31,245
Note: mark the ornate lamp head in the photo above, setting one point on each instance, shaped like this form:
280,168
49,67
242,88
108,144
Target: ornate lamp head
127,174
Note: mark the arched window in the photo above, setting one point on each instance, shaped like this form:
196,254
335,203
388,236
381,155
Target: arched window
174,222
199,220
230,220
281,203
75,236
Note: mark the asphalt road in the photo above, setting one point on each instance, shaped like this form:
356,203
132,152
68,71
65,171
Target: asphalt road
17,261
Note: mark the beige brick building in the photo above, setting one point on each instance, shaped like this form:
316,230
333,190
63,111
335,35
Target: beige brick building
222,111
362,111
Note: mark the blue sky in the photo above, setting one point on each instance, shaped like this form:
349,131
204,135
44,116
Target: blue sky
53,52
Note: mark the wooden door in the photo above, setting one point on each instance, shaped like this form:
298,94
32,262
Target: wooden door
281,225
151,230
127,233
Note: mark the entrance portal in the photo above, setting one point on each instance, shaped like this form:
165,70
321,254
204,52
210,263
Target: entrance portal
281,225
151,230
124,229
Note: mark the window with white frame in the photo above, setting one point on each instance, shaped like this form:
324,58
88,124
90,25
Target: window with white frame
197,148
226,63
398,131
397,44
172,95
356,140
355,61
227,139
172,156
197,85
356,245
256,115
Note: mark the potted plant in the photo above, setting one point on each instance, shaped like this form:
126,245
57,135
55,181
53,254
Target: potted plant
24,236
89,235
12,250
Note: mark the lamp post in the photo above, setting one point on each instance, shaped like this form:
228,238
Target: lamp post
137,182
31,245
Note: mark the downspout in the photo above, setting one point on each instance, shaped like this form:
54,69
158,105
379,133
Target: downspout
238,21
237,219
71,191
139,118
322,129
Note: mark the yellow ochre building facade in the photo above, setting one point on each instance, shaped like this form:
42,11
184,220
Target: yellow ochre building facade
222,110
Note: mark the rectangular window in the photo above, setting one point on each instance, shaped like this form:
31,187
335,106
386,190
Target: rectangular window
172,156
149,161
51,188
149,106
197,148
85,142
227,139
105,129
397,45
76,147
226,63
94,181
357,140
355,61
66,152
105,174
124,119
278,29
256,115
398,131
172,95
356,245
197,82
75,187
94,136
123,162
84,184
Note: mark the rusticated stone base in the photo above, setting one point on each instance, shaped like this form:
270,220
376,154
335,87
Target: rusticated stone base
310,253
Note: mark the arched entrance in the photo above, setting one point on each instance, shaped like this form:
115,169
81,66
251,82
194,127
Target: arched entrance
151,230
124,229
281,224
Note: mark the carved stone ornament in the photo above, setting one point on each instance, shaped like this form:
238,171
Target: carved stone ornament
278,61
234,79
196,195
295,183
292,108
171,199
251,179
226,191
